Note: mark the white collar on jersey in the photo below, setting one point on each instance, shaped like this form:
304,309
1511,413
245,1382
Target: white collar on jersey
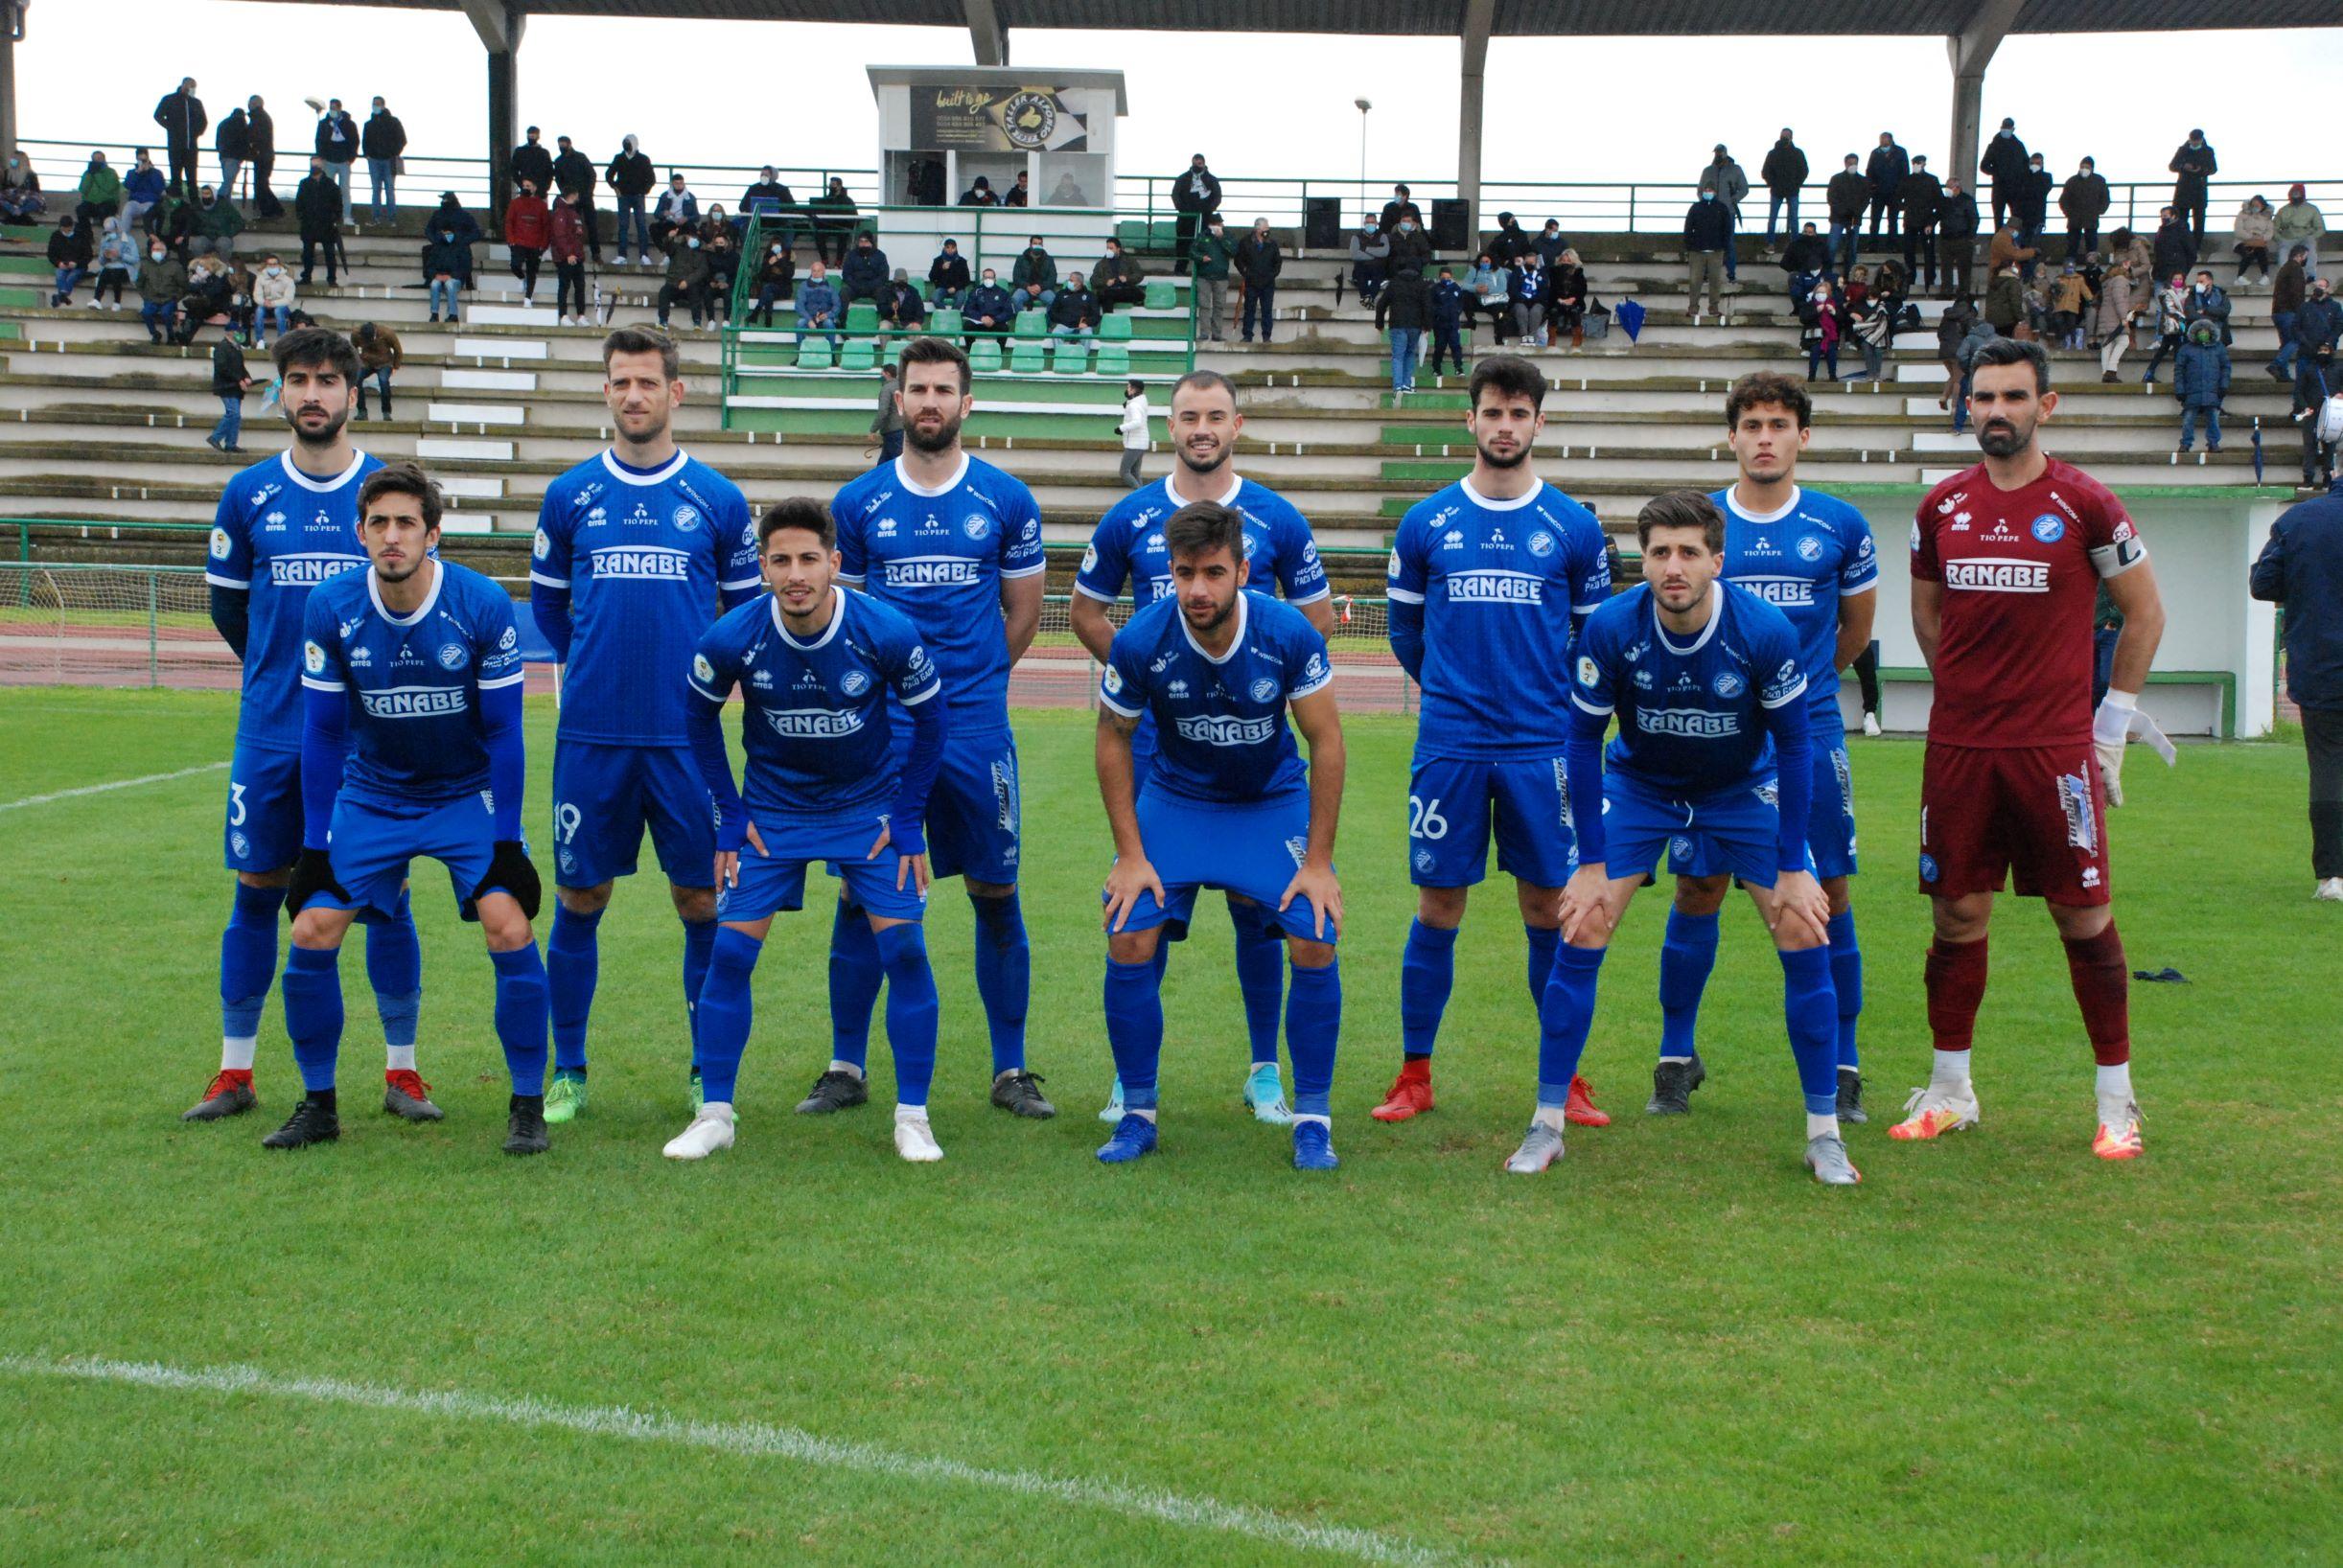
902,477
321,487
1716,619
1243,614
1227,498
374,592
1482,502
1734,506
658,476
838,618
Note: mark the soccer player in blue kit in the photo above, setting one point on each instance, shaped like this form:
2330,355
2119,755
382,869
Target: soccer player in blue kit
1490,580
634,548
1228,805
1811,556
1709,683
817,667
955,546
1280,554
410,744
284,525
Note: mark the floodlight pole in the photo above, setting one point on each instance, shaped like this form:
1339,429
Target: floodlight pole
1363,107
1479,16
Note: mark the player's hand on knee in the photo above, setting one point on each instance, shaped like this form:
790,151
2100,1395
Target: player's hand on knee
1800,907
1129,878
311,874
1586,904
1318,884
509,868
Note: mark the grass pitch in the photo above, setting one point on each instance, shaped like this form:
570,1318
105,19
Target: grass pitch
1672,1348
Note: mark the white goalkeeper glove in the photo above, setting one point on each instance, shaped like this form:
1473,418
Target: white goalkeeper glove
2120,720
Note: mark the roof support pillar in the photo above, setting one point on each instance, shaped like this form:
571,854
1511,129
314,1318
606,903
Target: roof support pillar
12,29
986,32
1480,15
500,23
1971,49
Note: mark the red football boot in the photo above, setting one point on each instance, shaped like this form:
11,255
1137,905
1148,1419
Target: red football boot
1581,1109
230,1094
1411,1092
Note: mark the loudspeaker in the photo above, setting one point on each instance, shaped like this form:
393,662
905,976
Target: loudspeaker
1322,223
1451,224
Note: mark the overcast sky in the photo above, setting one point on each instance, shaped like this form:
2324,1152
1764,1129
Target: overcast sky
1558,109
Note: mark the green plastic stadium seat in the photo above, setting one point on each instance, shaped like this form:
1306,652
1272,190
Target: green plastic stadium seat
985,354
945,322
1161,295
1114,360
1115,328
1164,235
1133,233
1069,355
1029,359
859,354
1032,324
862,316
814,354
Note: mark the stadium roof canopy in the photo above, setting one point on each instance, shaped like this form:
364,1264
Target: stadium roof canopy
1971,28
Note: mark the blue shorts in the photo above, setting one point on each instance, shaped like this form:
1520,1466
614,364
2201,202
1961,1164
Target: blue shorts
604,797
1735,830
775,880
1830,823
974,813
263,832
371,844
1453,806
1251,849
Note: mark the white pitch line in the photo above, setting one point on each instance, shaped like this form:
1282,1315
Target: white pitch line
100,789
754,1440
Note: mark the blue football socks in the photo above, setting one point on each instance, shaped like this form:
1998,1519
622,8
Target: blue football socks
1261,975
911,1009
725,1012
1313,1022
1846,980
247,963
1135,1028
313,1012
520,1016
1565,1016
1427,973
394,968
855,973
1810,1006
1686,955
574,964
1004,977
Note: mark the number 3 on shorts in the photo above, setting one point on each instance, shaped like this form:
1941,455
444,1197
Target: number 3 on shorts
236,804
1423,819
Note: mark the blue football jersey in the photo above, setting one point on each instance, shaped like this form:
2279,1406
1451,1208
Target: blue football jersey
816,726
1127,546
1502,584
414,681
278,533
644,556
1693,714
1802,559
939,555
1221,726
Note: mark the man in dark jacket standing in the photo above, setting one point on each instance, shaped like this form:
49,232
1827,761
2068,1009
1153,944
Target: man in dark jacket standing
337,146
1956,222
317,205
2004,164
1195,195
1784,172
1259,262
631,177
574,176
383,140
233,141
1708,229
261,127
1886,174
2084,201
2301,570
1848,194
2195,164
182,116
2174,251
1922,197
532,162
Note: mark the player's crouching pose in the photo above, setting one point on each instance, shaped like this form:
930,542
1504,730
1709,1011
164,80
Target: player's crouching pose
824,782
411,746
1709,689
1227,806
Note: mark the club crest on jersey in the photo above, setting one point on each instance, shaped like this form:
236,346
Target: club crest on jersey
686,517
1264,689
1727,684
2050,528
1542,543
452,656
219,545
1680,847
854,682
1928,867
312,658
1809,548
240,843
1425,860
976,525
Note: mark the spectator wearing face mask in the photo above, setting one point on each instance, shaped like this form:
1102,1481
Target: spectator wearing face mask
2195,166
818,308
631,177
566,242
1848,195
162,281
1723,177
1118,278
777,276
69,252
383,140
2174,250
143,187
1196,197
273,298
2083,201
2300,223
20,197
573,176
901,306
528,229
865,272
834,221
217,225
446,260
990,309
947,276
2257,237
117,259
686,276
2200,381
2034,190
677,209
101,193
533,162
336,148
1708,231
1035,268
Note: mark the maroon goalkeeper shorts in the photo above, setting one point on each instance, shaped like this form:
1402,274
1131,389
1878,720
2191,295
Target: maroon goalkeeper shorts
2037,812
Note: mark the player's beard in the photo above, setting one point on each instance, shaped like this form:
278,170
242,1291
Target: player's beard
326,437
1189,460
649,433
2000,438
1519,456
1218,620
945,437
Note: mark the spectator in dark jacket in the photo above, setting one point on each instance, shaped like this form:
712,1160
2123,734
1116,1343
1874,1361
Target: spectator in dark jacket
1259,262
2035,188
383,139
899,303
2003,163
1116,278
1957,222
990,309
233,141
1848,194
1708,229
686,276
631,178
141,188
1036,265
161,281
573,176
834,220
182,116
2174,250
978,193
1784,172
1405,302
947,276
1922,197
865,272
768,196
1074,312
2083,201
678,208
1566,298
447,260
2200,380
450,214
1509,242
566,231
1020,192
317,205
337,145
2208,301
2318,329
1444,307
231,381
1195,195
2195,164
1806,258
69,252
2301,570
262,127
777,275
1724,177
1884,173
533,161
